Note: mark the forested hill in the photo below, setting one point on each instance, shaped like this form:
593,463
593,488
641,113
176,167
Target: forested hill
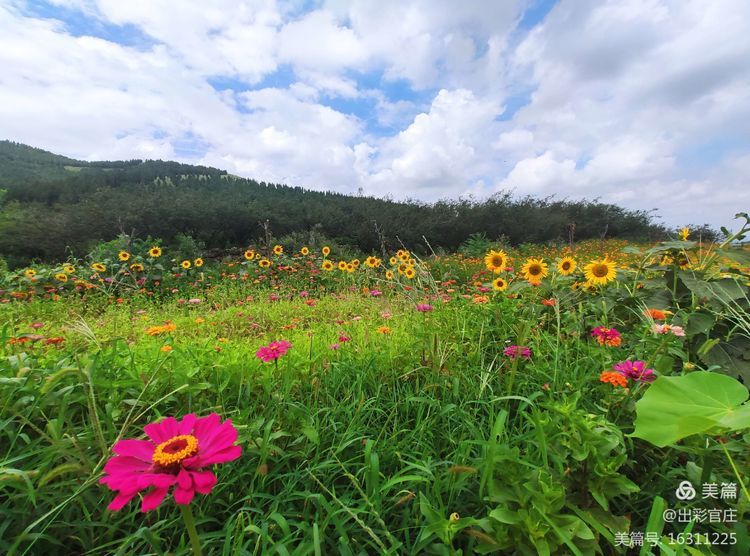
52,204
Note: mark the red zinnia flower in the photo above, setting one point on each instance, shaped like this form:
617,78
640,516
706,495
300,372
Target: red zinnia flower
176,454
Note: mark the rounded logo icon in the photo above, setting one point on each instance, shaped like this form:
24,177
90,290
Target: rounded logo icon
685,491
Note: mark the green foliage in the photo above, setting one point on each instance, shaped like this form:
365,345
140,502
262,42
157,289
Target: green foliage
700,402
165,199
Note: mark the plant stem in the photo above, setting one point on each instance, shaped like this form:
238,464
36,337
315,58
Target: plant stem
187,517
736,473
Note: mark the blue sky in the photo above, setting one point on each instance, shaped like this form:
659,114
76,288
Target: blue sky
637,102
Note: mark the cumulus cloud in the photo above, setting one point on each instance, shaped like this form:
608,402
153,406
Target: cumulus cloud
639,102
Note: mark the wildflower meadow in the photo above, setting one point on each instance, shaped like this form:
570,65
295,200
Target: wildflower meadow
579,399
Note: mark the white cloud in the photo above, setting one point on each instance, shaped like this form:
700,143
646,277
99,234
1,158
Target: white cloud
623,95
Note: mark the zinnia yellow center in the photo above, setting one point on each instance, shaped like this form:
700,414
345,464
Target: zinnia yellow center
173,451
600,270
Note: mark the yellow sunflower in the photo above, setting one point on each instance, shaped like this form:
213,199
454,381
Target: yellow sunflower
389,275
278,249
534,270
393,261
186,264
499,284
61,277
410,272
29,273
249,254
136,267
198,262
99,267
496,261
342,265
123,256
304,251
264,263
154,252
327,266
326,251
371,262
599,272
69,269
350,268
566,266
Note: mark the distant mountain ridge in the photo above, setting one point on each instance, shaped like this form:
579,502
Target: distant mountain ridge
52,205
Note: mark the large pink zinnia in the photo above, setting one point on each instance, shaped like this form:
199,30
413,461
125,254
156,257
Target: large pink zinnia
177,454
273,351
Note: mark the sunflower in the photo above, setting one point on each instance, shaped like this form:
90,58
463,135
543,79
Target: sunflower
99,267
69,269
389,275
371,262
61,277
393,261
264,263
327,266
534,270
499,284
599,272
566,266
496,261
136,267
342,265
123,256
278,249
198,262
29,273
410,272
326,251
186,264
154,252
249,255
304,251
350,267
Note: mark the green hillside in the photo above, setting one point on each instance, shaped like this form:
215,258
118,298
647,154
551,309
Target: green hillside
53,205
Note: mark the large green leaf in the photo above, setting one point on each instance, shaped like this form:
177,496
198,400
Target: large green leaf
675,407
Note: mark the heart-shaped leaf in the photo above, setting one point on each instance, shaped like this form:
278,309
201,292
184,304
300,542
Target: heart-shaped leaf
676,407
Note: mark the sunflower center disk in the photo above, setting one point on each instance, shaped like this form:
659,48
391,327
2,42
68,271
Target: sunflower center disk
600,270
171,452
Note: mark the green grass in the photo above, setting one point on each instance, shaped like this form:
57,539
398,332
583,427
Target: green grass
367,449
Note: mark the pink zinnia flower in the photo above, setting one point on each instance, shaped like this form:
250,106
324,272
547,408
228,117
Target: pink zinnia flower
273,351
517,351
343,338
304,294
176,455
376,293
424,307
194,301
335,346
667,329
607,336
37,325
635,370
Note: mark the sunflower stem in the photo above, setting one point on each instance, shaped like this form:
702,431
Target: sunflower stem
187,517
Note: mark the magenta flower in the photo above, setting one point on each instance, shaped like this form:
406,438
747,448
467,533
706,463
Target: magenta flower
343,338
335,346
304,294
607,336
517,351
376,293
178,454
424,307
273,351
635,370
